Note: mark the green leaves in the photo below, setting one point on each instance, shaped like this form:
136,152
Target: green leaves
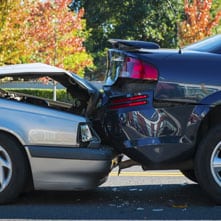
148,20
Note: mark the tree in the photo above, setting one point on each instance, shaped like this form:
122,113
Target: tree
199,22
12,45
152,20
57,36
3,11
45,31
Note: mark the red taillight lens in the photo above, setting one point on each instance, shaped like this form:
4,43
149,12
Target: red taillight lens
129,99
134,68
125,102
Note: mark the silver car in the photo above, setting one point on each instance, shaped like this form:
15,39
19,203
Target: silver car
47,143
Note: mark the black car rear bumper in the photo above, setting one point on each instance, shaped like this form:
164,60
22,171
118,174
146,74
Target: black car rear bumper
160,154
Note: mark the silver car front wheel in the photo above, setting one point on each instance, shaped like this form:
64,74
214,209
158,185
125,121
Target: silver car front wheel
13,168
5,169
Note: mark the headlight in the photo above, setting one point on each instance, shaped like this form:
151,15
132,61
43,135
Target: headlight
87,136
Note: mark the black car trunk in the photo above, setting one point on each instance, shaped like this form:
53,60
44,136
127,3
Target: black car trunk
127,88
118,81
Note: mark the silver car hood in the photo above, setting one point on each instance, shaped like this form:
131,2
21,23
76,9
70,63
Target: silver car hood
40,70
78,87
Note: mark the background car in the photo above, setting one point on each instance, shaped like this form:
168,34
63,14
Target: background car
163,108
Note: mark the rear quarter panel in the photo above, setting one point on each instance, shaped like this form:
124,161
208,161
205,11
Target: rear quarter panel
163,133
192,76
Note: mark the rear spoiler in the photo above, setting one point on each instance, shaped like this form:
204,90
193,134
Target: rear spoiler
131,44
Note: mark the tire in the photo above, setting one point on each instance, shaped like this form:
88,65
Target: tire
190,174
208,164
13,169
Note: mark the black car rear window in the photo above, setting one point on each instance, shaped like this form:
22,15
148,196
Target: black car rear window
212,45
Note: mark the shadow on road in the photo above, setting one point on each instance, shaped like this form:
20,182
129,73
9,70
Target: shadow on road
119,202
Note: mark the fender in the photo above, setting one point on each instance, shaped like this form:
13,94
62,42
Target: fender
206,104
213,99
50,127
199,113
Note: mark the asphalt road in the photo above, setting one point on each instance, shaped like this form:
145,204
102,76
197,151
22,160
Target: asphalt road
134,195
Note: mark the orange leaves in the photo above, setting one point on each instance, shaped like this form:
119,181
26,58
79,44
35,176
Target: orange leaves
48,33
57,33
199,22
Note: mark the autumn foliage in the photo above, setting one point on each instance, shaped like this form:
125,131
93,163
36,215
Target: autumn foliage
199,22
12,48
45,31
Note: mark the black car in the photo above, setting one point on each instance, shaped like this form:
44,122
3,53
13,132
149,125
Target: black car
162,108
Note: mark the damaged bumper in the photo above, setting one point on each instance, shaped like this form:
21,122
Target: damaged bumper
59,168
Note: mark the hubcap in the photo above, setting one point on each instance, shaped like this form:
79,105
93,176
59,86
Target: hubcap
5,169
215,163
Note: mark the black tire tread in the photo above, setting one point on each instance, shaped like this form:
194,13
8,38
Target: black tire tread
202,164
19,169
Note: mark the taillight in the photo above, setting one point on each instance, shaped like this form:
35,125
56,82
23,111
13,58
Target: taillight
137,69
124,102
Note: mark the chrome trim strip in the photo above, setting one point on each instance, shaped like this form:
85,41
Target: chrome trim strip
70,153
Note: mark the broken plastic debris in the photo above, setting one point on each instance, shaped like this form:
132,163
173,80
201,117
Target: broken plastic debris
114,189
140,209
134,189
157,210
177,204
184,184
180,206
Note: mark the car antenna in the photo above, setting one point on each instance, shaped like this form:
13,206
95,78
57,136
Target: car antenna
174,14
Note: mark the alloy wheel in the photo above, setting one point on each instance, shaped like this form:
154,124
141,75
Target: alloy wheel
5,169
215,163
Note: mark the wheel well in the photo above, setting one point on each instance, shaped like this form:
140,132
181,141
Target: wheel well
212,119
10,136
